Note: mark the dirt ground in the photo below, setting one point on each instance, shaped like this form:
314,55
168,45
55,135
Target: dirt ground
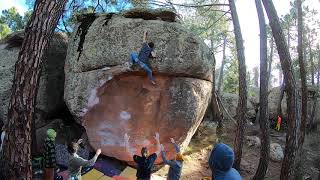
196,163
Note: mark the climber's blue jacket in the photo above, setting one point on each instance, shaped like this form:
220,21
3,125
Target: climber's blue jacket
221,161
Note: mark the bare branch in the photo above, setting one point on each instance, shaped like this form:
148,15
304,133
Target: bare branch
215,22
98,6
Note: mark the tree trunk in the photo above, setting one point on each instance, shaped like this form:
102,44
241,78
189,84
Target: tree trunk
264,119
242,102
314,107
280,77
293,119
318,78
312,62
17,145
288,36
304,91
279,108
256,77
220,81
270,63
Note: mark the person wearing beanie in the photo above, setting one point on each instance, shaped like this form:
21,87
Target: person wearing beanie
221,162
176,164
49,154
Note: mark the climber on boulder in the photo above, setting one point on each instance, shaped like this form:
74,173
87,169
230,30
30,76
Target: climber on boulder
142,58
144,162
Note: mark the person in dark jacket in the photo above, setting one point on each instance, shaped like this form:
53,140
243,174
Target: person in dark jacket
142,59
176,164
221,161
144,162
50,154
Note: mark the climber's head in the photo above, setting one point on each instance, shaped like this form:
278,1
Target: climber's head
144,152
51,134
73,147
151,45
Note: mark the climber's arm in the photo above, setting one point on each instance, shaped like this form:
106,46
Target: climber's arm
145,34
157,137
126,143
175,145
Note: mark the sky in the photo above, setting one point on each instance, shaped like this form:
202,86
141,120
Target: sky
247,16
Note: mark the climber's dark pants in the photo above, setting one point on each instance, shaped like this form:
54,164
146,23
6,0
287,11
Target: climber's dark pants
134,59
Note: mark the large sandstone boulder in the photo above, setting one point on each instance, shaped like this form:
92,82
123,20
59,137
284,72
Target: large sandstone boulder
50,92
109,99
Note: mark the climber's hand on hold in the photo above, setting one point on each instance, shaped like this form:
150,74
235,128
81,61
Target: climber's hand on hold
172,140
157,138
79,141
126,139
153,54
98,152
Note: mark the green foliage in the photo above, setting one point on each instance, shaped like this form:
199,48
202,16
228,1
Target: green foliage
12,19
4,30
231,77
210,23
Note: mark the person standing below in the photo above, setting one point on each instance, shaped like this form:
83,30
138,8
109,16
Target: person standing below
142,58
176,164
50,154
144,162
76,162
221,162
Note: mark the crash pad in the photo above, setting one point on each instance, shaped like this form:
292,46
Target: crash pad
106,167
105,178
120,178
92,175
129,173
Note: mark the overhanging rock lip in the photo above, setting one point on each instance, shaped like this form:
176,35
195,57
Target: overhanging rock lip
163,14
124,70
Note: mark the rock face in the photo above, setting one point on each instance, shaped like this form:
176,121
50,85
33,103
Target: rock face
253,141
276,152
109,99
274,97
50,92
230,101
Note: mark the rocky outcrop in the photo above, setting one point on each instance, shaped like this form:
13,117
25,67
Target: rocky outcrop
109,99
50,92
276,152
274,96
230,102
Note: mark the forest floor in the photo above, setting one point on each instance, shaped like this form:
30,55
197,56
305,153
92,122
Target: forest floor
197,155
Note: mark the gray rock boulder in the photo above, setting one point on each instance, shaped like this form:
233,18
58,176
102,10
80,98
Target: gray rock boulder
276,152
50,92
109,99
253,141
274,97
230,102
